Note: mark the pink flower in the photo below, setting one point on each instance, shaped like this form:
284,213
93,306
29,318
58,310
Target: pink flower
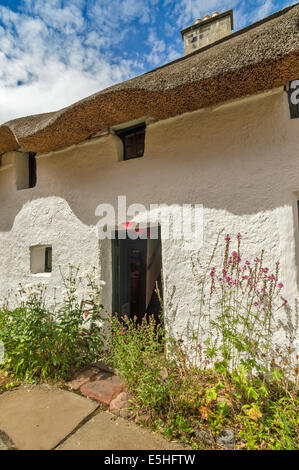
245,278
272,277
227,238
239,236
257,260
230,260
247,262
265,270
220,279
236,257
280,285
285,302
212,274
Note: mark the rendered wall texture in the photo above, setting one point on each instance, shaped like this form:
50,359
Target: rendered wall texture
239,160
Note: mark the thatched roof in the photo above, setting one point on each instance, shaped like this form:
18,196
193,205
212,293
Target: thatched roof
258,58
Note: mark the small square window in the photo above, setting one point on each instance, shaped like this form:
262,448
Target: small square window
133,140
40,259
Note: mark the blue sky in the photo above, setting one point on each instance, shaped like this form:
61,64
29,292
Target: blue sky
55,52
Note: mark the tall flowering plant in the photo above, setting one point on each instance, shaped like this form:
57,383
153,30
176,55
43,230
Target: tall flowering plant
238,312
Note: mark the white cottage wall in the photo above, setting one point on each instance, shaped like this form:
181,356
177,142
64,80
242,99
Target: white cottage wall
239,160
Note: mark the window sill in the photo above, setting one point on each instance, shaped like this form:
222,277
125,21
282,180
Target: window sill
41,274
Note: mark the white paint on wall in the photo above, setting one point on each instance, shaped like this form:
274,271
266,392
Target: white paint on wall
45,222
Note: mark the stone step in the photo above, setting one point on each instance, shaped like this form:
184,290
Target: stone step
103,387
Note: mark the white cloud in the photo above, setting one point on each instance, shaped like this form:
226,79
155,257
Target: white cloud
157,47
50,58
57,87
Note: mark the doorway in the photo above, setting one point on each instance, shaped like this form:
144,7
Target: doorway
136,267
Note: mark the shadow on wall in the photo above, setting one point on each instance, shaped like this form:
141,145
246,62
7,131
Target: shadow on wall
241,159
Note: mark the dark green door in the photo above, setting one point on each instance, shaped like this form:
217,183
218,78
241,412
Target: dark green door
129,258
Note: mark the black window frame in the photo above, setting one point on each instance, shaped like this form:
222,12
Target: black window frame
32,169
136,132
48,259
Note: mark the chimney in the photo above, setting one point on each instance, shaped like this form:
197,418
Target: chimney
208,30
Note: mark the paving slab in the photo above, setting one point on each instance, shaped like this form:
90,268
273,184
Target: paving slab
40,417
5,442
104,387
106,432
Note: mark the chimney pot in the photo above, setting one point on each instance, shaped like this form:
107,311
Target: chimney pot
207,31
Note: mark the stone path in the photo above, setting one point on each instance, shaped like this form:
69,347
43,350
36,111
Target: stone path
108,432
45,417
41,417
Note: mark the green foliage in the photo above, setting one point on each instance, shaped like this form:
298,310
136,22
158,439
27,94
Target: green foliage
136,351
45,343
272,425
263,413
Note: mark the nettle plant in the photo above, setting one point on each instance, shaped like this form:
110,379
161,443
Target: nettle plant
45,337
239,312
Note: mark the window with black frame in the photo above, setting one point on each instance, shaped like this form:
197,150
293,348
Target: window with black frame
25,165
48,259
40,259
32,170
133,140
